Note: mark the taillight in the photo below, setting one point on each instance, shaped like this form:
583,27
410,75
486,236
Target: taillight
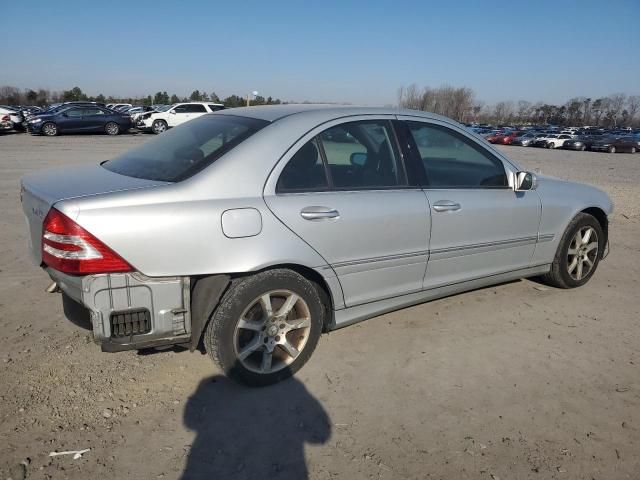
69,248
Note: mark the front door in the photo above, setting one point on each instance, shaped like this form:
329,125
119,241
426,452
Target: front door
93,119
480,225
345,193
178,115
71,120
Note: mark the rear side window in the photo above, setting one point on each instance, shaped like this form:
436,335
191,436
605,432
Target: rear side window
453,161
216,107
185,150
352,156
305,171
195,109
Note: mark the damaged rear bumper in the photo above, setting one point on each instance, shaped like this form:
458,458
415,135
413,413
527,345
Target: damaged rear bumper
129,310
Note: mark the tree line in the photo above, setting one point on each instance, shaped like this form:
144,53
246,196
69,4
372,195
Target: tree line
460,103
15,96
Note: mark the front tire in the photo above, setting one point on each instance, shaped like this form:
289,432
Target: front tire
49,129
159,126
633,149
583,148
611,149
578,254
266,327
551,145
112,128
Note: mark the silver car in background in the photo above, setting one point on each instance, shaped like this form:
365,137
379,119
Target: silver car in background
250,231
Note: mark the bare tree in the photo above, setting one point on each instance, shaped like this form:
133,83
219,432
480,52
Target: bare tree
614,107
633,105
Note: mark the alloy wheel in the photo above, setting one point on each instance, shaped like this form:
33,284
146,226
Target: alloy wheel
272,331
582,253
49,129
112,128
159,127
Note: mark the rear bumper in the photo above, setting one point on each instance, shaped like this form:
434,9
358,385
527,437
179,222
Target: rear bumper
109,298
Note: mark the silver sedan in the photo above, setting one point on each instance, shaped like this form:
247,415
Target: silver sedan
250,231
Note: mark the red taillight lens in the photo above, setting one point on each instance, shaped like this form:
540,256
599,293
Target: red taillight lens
69,248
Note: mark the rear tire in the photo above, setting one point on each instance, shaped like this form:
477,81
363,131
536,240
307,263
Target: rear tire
258,348
49,129
112,128
583,148
159,126
570,269
551,145
633,149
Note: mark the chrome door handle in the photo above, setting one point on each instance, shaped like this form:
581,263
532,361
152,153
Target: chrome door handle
446,206
319,213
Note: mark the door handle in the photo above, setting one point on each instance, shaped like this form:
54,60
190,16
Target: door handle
319,213
446,206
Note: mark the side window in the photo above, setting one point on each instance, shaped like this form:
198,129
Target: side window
362,155
92,111
216,107
74,112
195,108
453,161
180,109
304,172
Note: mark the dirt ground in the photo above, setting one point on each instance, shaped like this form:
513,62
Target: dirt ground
511,382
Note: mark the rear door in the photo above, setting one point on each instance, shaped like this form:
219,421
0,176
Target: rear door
480,226
93,119
343,189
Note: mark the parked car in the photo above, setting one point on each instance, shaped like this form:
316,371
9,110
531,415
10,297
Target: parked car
159,122
15,116
164,245
543,140
582,142
5,122
80,118
524,139
615,144
510,137
119,106
556,141
136,112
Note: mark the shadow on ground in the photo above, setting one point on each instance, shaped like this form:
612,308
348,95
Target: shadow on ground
252,433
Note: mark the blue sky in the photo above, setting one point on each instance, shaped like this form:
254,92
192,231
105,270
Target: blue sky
357,52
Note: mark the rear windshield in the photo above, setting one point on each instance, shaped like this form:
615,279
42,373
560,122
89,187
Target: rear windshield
185,150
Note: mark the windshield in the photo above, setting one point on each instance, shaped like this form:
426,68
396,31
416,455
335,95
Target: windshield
185,150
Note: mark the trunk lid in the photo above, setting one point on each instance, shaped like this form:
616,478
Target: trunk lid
41,190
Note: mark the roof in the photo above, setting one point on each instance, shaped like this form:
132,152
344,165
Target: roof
271,113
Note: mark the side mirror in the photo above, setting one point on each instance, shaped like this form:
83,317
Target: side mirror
64,114
359,159
525,181
172,112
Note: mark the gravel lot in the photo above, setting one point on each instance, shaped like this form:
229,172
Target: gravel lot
515,381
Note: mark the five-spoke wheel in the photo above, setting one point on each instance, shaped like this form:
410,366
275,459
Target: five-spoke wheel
272,331
266,326
579,252
582,253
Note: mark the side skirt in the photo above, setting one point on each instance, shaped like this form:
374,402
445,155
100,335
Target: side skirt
349,316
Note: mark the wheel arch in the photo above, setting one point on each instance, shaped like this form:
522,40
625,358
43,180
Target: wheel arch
207,290
602,219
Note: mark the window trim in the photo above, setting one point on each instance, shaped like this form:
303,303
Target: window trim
395,146
426,185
